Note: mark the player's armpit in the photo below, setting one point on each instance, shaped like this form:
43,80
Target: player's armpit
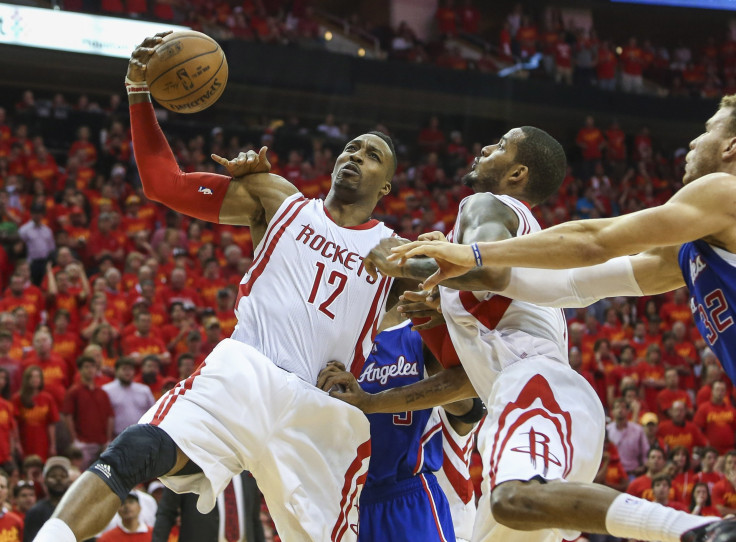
657,270
254,198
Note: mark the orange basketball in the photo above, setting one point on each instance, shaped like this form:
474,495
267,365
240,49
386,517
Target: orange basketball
188,72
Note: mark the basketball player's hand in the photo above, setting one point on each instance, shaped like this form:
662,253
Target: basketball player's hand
453,260
417,305
342,385
377,260
141,55
246,163
432,236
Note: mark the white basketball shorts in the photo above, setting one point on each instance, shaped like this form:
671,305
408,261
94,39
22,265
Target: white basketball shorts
544,421
308,451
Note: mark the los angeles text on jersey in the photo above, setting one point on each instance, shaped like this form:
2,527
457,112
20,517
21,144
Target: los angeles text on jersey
373,372
352,261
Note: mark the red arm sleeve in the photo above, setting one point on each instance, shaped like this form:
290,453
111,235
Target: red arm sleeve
439,343
199,195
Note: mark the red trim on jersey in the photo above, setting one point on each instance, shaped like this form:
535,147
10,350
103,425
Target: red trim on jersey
460,452
433,506
371,223
488,312
346,503
420,453
173,394
439,343
371,324
520,212
463,486
536,388
245,288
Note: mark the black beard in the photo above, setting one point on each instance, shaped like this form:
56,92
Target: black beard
469,179
55,493
149,378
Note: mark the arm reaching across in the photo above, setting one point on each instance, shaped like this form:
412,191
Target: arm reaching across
705,206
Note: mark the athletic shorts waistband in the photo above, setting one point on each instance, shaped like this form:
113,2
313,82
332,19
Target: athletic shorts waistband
392,490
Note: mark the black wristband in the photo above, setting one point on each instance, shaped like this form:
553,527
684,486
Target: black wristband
474,415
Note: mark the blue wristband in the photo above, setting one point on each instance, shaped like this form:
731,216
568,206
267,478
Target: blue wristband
476,253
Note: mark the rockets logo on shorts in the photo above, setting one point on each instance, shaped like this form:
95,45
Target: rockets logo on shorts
204,190
538,448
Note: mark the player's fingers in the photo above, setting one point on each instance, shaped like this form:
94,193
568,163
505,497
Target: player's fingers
219,159
339,365
370,268
419,313
433,322
415,297
432,236
433,280
324,375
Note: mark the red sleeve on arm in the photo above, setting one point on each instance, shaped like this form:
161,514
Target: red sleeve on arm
199,195
439,343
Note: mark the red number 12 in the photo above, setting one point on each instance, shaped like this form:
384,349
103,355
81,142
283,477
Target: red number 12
341,279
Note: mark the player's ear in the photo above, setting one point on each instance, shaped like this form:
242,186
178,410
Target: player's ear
729,153
386,189
519,174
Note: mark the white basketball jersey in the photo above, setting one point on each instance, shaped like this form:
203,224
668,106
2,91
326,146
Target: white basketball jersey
454,477
491,332
307,298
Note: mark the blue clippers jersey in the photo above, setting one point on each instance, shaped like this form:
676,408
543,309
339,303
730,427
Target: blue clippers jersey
407,443
711,280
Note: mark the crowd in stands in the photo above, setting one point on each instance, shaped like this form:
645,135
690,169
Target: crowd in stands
108,300
463,40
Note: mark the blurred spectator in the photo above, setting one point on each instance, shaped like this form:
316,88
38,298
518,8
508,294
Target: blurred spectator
39,241
563,60
132,530
678,431
671,393
632,64
708,475
724,492
37,414
717,419
56,480
629,438
150,375
661,486
88,414
642,486
24,497
129,399
700,501
11,525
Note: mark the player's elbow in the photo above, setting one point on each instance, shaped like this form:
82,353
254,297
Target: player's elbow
512,504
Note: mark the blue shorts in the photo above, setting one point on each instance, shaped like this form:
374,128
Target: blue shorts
413,509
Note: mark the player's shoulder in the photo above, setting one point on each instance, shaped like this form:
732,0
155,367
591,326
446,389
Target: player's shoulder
713,188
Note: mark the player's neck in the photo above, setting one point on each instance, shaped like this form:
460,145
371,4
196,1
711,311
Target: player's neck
348,215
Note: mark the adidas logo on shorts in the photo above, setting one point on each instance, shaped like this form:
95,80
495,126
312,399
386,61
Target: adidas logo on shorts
104,469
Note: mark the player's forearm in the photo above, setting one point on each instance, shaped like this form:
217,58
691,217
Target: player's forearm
573,244
448,386
199,195
479,279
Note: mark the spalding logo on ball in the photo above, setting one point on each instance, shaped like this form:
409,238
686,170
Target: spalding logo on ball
187,72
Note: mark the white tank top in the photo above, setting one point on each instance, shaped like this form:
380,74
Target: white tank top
307,298
491,332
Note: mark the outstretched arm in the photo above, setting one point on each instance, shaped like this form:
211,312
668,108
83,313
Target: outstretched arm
701,209
207,196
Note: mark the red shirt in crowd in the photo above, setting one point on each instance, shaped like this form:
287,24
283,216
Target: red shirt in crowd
7,425
91,411
642,487
687,435
632,59
724,494
135,344
718,423
55,374
11,527
119,535
666,397
33,423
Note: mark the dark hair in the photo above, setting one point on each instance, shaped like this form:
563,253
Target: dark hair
662,477
26,392
678,450
124,361
545,158
5,390
85,359
656,449
692,495
182,357
387,139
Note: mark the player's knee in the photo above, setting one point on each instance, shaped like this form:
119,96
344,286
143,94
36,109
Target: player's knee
510,503
141,452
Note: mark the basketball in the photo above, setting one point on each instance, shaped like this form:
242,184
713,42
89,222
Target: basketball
188,72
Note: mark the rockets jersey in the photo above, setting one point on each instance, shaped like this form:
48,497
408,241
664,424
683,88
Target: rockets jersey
307,298
491,332
710,275
408,443
454,477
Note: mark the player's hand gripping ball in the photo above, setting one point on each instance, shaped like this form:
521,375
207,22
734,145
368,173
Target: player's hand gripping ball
187,72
